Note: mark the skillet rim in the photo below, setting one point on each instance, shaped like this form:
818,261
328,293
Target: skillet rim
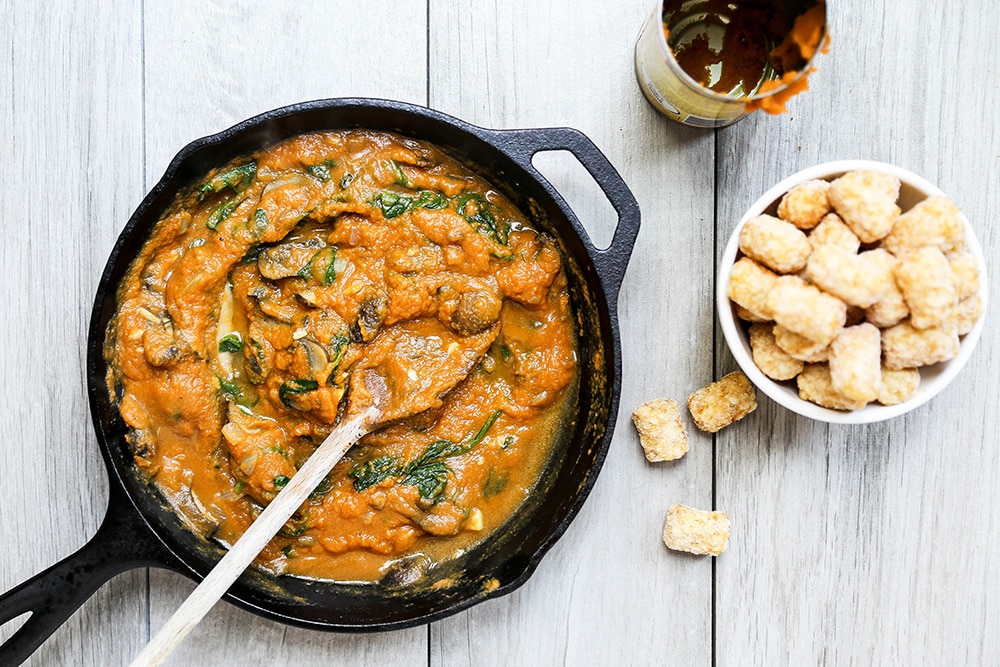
236,139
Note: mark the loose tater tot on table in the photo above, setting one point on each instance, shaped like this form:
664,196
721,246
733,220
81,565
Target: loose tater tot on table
719,404
699,532
661,432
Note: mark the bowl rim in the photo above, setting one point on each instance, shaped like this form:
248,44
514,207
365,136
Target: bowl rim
940,374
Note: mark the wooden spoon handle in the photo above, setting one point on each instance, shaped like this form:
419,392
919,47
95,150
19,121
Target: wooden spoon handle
254,539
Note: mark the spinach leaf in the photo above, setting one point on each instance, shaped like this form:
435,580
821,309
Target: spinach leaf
237,178
294,388
428,472
321,489
330,272
231,343
430,479
259,222
392,204
293,528
495,483
222,212
478,212
337,348
235,392
401,178
430,200
229,388
374,471
281,480
319,171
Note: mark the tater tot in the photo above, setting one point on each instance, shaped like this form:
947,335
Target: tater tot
774,362
719,404
866,200
926,281
804,309
889,310
967,313
833,231
776,244
965,273
898,386
859,280
935,221
855,369
805,204
815,385
749,285
749,316
800,347
904,346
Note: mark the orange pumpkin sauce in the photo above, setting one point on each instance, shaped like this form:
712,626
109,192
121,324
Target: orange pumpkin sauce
257,292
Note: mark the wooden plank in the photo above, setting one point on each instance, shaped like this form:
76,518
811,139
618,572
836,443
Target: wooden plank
877,544
71,128
210,65
609,592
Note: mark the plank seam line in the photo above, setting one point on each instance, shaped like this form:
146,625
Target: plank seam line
142,149
715,360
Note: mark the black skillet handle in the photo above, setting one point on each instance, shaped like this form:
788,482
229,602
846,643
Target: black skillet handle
522,146
123,542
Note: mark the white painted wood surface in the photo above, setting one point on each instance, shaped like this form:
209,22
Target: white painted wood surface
876,544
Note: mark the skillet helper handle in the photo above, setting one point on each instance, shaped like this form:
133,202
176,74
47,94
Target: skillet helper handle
522,146
51,596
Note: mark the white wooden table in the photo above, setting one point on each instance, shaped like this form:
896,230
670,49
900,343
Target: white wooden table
877,544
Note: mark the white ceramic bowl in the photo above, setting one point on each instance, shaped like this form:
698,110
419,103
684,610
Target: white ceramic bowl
932,378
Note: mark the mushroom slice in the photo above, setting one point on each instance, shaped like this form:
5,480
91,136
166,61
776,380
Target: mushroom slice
316,355
288,259
372,313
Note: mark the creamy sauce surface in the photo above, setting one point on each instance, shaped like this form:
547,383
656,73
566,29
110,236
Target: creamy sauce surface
261,290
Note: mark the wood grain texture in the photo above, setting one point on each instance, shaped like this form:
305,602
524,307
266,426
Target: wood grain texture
72,155
609,590
872,544
867,545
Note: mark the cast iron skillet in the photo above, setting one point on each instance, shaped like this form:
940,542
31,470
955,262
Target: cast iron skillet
140,530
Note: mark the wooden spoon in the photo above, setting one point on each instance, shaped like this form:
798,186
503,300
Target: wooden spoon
406,370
